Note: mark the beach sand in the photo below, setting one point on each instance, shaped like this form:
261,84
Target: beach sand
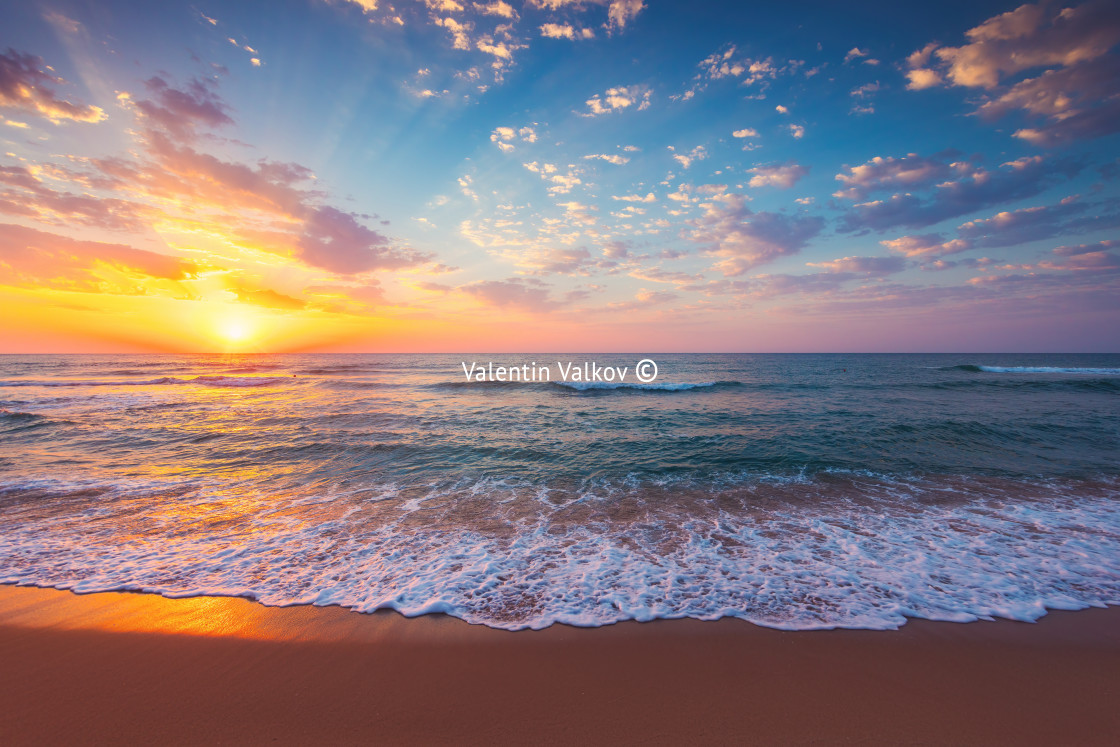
135,668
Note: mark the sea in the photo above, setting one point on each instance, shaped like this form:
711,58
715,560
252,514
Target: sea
793,491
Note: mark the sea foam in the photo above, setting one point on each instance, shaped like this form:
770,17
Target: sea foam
516,558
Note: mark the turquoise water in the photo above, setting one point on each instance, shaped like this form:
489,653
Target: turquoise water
797,491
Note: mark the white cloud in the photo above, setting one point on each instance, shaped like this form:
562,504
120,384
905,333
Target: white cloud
696,154
783,176
617,99
445,6
459,38
497,8
925,245
615,159
564,31
921,78
540,168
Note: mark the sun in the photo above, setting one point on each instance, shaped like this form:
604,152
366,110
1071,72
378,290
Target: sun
235,330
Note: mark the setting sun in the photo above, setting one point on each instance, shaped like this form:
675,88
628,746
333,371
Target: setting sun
234,330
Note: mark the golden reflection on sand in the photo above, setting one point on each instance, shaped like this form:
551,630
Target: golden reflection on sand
126,612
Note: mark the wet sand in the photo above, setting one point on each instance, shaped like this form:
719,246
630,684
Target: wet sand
129,668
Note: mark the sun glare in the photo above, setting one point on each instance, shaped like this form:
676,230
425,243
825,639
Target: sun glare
234,330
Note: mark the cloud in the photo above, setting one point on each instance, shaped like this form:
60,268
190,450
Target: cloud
26,194
748,71
619,12
854,53
1075,95
1031,36
523,294
797,131
865,90
444,6
572,261
926,245
864,265
617,99
564,31
367,6
696,154
560,183
269,299
909,172
617,160
348,298
24,86
650,197
503,137
262,207
783,176
336,241
745,239
1009,228
180,111
952,187
975,190
540,168
36,259
580,213
497,8
922,78
459,31
1097,258
745,132
1079,102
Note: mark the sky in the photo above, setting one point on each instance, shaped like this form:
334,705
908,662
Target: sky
559,175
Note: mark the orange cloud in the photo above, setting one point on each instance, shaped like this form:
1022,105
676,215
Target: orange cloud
32,258
23,85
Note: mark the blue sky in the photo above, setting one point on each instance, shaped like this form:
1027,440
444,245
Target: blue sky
621,173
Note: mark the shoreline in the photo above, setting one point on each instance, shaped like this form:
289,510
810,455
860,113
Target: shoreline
126,667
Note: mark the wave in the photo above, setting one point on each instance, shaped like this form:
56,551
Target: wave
234,381
17,415
342,368
252,369
973,368
1051,385
873,555
585,386
17,421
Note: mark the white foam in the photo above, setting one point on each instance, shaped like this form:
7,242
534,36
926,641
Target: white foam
845,564
1051,370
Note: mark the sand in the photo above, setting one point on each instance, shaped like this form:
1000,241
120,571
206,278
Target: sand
135,668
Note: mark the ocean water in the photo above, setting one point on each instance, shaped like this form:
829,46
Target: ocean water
794,491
